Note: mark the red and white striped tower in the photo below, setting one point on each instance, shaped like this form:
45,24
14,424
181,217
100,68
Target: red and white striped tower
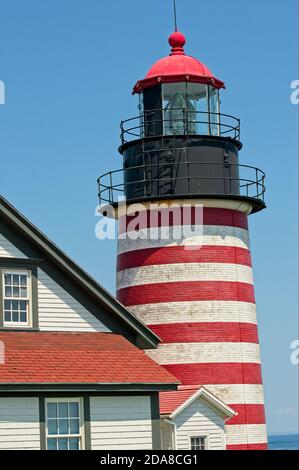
197,293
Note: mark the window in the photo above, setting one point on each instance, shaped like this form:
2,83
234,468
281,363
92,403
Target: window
16,298
64,425
214,111
186,108
198,118
198,443
174,96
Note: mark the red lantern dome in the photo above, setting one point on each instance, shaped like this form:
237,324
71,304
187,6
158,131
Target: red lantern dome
177,67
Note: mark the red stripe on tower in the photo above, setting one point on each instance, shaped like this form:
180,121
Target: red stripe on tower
248,414
206,332
179,254
185,291
165,217
247,446
217,373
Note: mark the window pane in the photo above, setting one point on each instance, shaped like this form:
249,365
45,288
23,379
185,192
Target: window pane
14,305
62,443
52,426
74,426
15,279
198,118
8,291
74,443
62,410
63,426
23,292
23,317
52,410
23,281
52,443
174,97
15,292
74,410
7,316
7,304
7,279
15,316
214,109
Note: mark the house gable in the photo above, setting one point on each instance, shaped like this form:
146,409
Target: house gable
68,298
211,400
199,419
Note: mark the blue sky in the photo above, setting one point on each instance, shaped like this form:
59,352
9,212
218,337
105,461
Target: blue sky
69,66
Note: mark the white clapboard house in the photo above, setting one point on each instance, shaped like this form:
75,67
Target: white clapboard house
73,371
193,418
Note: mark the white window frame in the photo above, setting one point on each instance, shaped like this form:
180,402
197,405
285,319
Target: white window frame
28,299
81,434
199,436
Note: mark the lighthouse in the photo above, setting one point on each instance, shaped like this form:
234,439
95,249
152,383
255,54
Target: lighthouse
179,154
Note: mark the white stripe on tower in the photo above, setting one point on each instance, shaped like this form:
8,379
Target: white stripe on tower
238,393
197,296
182,272
195,311
211,236
190,353
244,433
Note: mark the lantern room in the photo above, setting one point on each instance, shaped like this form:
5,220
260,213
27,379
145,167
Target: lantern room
179,95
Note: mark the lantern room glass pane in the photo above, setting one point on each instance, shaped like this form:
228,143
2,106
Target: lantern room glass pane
151,124
197,108
214,111
185,108
174,103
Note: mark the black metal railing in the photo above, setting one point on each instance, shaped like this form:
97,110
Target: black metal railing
138,181
177,122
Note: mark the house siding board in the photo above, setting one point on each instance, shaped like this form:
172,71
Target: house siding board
8,249
198,419
59,311
121,423
19,423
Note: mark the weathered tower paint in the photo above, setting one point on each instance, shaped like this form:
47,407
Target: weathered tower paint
196,294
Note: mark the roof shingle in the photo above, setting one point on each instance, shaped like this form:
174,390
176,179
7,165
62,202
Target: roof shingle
171,401
59,357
